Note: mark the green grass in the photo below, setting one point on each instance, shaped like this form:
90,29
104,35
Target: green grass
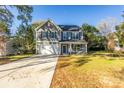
92,70
17,57
9,59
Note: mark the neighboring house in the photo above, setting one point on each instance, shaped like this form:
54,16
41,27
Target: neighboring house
10,49
6,45
2,43
59,39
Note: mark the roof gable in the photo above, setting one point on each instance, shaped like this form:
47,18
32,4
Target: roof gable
49,23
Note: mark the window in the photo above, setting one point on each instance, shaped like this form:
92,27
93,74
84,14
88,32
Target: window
44,34
77,35
69,35
64,35
73,35
52,34
39,36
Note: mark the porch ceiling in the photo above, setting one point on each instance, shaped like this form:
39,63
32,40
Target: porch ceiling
73,42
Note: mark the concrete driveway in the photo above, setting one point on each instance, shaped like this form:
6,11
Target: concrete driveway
36,71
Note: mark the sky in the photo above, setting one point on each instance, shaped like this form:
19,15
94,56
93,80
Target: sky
76,15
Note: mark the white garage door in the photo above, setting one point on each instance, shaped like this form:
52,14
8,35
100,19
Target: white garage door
50,49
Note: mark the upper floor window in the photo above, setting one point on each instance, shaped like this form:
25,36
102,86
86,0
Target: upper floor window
39,36
73,35
69,35
64,35
52,34
77,35
44,34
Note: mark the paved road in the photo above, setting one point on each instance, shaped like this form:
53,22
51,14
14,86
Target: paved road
36,71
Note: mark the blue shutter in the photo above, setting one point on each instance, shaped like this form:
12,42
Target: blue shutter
61,35
67,34
71,35
47,34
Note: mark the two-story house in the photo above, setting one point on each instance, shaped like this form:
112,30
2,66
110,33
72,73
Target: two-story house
59,39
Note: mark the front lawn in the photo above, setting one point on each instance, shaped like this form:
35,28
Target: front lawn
9,59
94,70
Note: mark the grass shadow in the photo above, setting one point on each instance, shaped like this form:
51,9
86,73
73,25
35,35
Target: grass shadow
81,61
63,65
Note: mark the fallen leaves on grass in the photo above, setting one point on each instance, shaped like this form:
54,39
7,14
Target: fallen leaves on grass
88,71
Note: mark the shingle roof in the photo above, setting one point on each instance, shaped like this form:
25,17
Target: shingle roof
69,27
62,27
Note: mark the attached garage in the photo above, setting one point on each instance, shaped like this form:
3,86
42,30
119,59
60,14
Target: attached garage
48,48
47,38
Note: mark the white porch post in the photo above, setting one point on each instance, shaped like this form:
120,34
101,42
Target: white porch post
86,47
59,48
76,48
70,49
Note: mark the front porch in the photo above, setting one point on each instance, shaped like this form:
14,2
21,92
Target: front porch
73,48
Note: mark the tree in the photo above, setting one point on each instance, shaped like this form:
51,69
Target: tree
91,35
25,39
106,27
30,43
6,15
120,33
112,43
3,27
25,35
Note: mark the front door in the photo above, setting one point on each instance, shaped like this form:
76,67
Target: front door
64,49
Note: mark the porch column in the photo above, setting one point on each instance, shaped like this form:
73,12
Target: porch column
86,47
59,48
70,49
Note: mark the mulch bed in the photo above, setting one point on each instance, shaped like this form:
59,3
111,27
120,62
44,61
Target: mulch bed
4,61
